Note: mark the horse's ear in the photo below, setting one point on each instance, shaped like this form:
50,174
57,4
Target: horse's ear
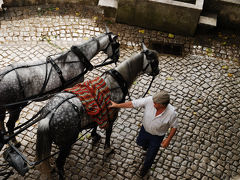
144,46
107,29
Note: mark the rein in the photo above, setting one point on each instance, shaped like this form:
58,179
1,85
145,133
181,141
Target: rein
149,86
154,72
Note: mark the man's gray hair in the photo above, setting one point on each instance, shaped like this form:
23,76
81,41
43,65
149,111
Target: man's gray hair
161,97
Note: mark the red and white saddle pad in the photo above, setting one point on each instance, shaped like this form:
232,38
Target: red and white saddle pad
95,96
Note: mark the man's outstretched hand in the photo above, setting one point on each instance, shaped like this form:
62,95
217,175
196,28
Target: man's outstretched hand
113,104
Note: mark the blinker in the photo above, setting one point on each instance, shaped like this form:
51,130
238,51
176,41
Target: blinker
153,62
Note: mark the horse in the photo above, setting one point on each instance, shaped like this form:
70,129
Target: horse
64,116
23,82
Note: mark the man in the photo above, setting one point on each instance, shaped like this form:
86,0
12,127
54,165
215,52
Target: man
158,117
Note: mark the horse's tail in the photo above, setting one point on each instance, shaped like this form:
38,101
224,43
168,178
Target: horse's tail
44,141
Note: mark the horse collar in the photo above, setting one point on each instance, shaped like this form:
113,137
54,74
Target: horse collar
120,80
82,57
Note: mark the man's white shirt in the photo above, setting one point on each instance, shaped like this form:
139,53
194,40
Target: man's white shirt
156,125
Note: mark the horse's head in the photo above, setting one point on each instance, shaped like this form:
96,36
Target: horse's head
150,62
112,49
106,42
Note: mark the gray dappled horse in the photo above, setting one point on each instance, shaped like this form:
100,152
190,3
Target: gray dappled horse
24,81
64,116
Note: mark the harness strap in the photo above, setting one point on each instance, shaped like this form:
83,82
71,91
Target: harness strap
120,80
57,69
76,109
82,57
45,80
19,81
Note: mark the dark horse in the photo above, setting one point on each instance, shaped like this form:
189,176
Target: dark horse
64,116
27,81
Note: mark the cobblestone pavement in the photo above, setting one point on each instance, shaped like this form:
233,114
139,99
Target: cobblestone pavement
203,83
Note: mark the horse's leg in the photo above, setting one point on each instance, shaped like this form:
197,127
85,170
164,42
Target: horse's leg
64,152
95,136
45,169
14,115
107,147
2,117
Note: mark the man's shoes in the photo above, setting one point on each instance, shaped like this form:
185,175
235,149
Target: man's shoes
144,150
142,172
144,153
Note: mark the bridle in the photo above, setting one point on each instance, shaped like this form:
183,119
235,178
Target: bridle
115,51
153,62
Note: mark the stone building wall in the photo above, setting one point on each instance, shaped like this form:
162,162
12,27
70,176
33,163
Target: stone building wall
170,16
228,12
176,16
12,3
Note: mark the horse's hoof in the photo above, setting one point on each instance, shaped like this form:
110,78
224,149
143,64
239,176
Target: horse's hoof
53,171
61,173
17,144
61,177
95,139
109,151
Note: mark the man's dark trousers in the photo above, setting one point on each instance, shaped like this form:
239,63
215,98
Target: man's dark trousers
151,143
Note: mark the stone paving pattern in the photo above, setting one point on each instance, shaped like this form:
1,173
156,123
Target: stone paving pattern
204,86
